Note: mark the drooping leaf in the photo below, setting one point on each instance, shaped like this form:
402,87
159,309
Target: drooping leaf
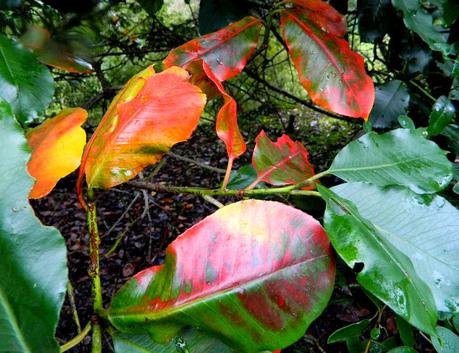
281,163
66,51
226,124
191,339
447,341
443,113
418,20
398,157
423,228
332,74
226,51
254,274
392,100
405,331
24,83
57,146
373,23
141,125
352,330
33,257
151,6
216,14
387,272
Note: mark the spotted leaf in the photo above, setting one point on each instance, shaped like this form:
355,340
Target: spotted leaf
57,146
333,75
225,51
255,274
281,163
151,113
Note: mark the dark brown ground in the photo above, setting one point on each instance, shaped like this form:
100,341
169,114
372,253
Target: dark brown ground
148,222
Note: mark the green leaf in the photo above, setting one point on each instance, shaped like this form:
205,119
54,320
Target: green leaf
452,133
392,100
402,349
387,272
352,330
24,83
373,24
254,274
191,339
456,322
9,4
33,257
151,6
418,20
447,341
242,177
405,331
443,113
406,122
398,157
216,14
423,228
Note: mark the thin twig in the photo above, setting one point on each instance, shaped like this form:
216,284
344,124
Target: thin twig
77,339
71,296
213,201
122,216
199,164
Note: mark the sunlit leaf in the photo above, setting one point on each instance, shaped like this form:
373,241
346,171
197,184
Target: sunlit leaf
387,272
24,83
282,162
447,341
333,75
57,146
225,51
398,157
255,274
33,257
443,112
141,125
353,330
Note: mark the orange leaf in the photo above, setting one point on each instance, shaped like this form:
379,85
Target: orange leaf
151,114
57,146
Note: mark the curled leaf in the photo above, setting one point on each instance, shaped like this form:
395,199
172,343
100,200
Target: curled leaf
255,274
57,146
225,52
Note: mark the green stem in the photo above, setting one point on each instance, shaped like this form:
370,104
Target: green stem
427,94
94,271
77,339
292,187
73,306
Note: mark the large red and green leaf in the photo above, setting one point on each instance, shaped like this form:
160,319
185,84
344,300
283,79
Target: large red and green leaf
225,51
57,146
333,75
255,274
151,114
281,163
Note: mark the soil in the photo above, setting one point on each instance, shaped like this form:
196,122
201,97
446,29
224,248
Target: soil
145,223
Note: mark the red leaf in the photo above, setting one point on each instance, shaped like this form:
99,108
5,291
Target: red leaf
255,274
282,163
151,114
225,51
333,75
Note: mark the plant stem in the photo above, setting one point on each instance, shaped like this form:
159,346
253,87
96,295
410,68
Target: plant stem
94,271
73,306
296,186
77,339
229,167
199,164
157,187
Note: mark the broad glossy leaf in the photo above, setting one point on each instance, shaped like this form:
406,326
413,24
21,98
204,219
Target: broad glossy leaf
141,125
418,20
66,51
281,163
226,124
373,20
225,51
387,272
443,113
151,6
332,74
57,146
216,14
352,330
242,177
254,274
24,83
33,257
447,341
191,339
392,100
402,349
398,157
423,228
405,330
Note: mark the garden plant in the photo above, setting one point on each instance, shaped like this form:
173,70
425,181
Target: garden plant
253,275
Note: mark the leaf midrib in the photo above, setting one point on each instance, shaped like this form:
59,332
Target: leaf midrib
13,78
